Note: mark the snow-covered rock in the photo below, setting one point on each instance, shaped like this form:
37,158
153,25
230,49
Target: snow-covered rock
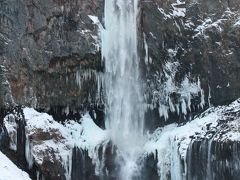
176,147
172,144
49,143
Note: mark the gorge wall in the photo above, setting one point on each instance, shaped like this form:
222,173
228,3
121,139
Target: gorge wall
50,60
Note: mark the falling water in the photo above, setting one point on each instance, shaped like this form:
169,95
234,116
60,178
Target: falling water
124,112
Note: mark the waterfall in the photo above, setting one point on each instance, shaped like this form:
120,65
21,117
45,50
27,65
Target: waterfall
124,107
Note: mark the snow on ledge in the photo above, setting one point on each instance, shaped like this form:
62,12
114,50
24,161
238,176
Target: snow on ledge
170,143
9,171
48,139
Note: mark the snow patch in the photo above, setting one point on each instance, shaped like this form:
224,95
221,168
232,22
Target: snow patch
237,23
178,9
9,171
210,24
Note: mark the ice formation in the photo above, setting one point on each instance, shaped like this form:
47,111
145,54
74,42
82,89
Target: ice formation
83,76
47,138
188,89
172,144
124,109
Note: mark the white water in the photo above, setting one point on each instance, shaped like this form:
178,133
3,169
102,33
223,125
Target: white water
124,111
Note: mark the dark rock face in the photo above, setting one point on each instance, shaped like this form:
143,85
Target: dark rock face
214,160
44,44
83,167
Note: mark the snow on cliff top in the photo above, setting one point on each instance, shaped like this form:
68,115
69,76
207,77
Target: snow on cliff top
9,171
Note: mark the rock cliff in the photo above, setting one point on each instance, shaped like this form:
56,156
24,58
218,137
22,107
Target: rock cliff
50,60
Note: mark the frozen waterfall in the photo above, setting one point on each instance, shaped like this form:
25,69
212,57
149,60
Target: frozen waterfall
124,112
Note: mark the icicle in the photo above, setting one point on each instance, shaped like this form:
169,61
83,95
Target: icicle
78,79
28,152
185,169
171,105
178,109
66,79
209,160
188,160
189,101
209,96
202,99
67,164
163,111
99,79
103,156
94,114
146,49
66,110
96,160
176,172
202,103
38,175
150,60
183,107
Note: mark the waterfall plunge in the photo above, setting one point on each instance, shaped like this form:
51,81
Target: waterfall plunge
124,111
